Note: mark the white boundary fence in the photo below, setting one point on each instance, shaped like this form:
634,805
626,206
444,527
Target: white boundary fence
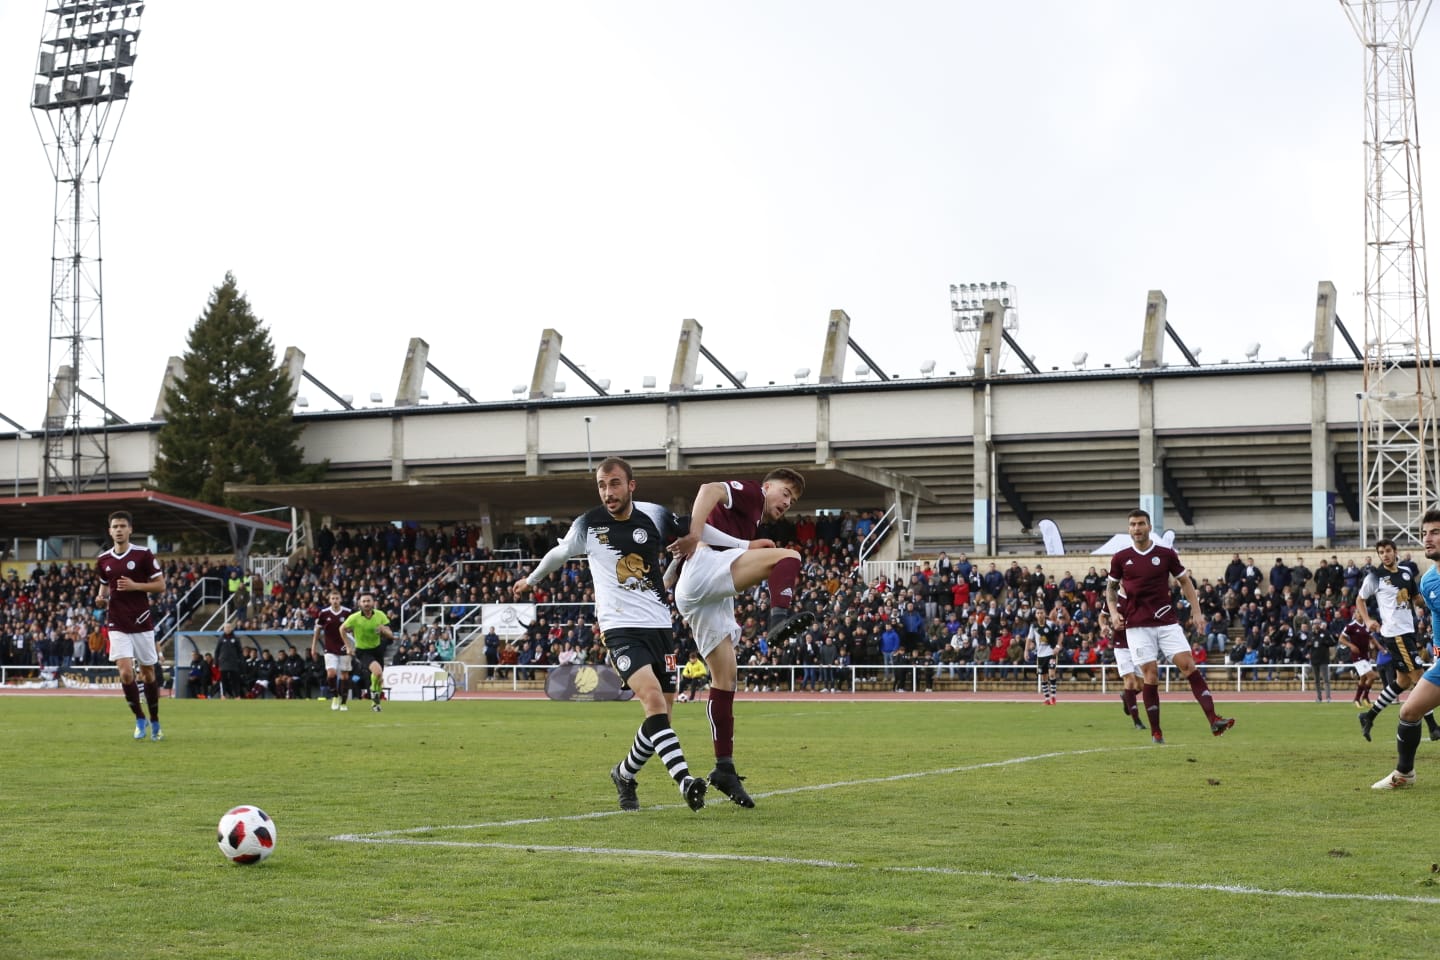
1237,678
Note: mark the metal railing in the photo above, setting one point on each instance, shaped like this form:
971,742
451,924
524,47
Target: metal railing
852,678
976,678
877,535
202,591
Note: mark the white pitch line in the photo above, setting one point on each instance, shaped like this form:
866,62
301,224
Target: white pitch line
402,837
529,821
1236,889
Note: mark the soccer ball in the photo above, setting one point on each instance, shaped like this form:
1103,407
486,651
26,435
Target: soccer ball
246,835
682,698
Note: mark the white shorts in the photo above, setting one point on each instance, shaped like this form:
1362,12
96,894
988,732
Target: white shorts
1362,667
337,662
1147,643
705,597
1125,663
139,647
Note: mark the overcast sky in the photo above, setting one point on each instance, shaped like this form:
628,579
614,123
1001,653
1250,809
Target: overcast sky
474,172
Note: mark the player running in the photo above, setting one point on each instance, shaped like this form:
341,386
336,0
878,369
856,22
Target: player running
1139,599
1426,695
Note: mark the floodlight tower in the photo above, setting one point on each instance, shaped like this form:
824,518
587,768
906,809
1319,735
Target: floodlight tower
82,84
1399,464
967,312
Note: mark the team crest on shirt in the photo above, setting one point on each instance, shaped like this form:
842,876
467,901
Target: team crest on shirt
1154,561
640,535
630,572
737,485
130,565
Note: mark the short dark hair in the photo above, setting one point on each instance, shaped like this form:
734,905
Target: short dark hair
786,475
1384,542
610,464
1431,516
120,515
1137,512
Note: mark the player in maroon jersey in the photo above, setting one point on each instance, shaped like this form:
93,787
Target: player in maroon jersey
1139,598
337,661
1131,678
128,574
711,578
1361,642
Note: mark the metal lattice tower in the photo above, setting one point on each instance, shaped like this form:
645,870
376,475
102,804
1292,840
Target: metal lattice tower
1398,457
82,84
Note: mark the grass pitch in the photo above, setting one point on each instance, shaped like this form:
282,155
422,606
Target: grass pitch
883,829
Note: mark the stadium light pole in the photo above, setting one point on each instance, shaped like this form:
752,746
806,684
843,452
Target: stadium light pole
82,81
588,465
967,311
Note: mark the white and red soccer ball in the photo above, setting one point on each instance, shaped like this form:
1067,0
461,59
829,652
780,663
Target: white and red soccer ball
246,835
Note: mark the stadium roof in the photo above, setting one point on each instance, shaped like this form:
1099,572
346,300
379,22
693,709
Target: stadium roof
456,498
87,515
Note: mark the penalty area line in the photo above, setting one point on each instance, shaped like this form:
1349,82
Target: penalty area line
1233,889
868,781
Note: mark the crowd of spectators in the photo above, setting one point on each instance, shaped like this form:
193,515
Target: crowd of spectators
948,619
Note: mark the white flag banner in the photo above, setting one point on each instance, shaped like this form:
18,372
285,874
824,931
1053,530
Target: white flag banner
1050,533
1122,540
508,619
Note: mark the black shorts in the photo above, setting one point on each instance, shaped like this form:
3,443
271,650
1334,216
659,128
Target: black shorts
365,657
636,648
1044,665
1405,650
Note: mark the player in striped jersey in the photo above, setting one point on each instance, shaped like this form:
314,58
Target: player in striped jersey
624,540
1045,634
1425,697
1390,587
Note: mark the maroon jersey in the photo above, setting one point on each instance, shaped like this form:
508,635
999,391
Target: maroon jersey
1357,638
741,516
329,622
1144,580
128,610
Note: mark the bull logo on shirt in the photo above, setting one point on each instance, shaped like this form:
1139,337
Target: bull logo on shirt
631,571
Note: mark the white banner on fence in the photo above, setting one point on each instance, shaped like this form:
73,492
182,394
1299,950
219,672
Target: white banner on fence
418,681
508,619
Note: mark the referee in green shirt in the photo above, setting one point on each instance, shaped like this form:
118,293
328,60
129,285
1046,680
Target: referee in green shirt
366,632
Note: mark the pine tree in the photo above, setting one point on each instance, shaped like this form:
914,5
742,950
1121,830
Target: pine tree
230,418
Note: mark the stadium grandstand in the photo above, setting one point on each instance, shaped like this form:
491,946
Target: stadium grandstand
438,508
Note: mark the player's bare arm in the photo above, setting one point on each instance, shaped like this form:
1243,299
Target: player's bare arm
1112,600
1362,613
1187,590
